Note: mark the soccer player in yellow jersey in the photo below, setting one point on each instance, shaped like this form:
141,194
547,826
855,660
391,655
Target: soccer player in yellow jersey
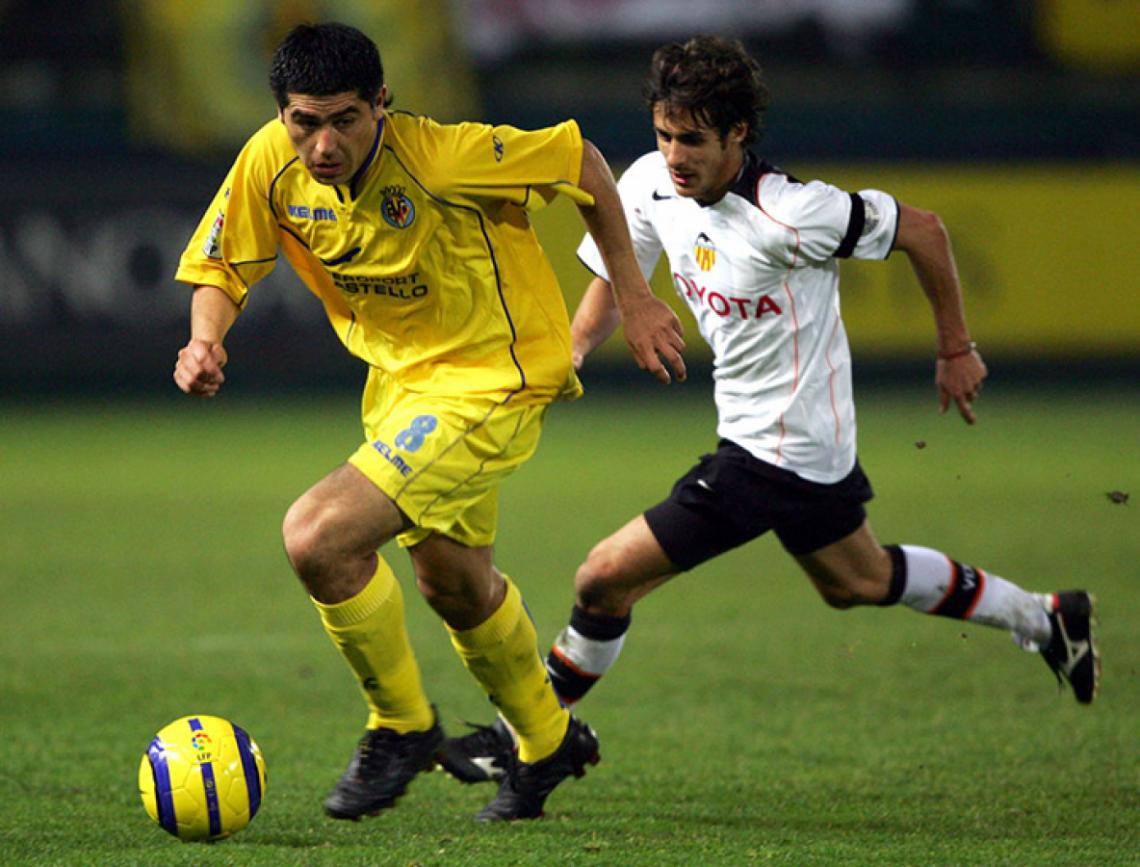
415,238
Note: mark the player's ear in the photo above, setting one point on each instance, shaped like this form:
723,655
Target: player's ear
738,133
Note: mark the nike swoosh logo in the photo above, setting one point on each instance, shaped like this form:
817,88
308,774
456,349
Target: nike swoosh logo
657,197
704,484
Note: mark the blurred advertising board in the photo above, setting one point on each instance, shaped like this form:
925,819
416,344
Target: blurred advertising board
1047,256
498,28
1097,34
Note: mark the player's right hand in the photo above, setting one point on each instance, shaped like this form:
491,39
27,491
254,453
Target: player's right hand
655,334
199,368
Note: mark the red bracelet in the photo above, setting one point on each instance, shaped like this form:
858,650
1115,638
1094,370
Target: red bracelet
949,356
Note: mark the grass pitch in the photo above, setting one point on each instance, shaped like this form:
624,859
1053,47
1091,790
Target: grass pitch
745,723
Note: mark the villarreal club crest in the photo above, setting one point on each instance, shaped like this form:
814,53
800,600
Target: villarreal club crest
202,778
396,208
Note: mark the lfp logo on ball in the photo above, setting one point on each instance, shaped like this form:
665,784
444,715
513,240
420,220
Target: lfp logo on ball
203,746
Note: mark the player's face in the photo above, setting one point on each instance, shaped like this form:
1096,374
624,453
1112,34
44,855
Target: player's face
332,135
702,164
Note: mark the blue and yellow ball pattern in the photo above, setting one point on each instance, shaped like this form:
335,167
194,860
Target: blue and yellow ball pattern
202,778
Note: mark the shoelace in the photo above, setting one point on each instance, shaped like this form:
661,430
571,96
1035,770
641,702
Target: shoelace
383,745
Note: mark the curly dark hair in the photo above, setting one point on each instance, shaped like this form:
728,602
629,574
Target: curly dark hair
714,79
326,59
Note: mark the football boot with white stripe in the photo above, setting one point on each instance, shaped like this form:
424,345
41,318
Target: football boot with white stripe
481,756
527,785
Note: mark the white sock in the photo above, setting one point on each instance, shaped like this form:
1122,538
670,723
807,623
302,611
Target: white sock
935,584
583,652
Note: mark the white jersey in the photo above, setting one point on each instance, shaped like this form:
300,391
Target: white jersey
758,270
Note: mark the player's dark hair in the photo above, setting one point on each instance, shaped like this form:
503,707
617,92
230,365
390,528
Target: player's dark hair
713,79
326,59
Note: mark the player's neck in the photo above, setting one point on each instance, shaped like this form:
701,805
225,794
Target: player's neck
733,170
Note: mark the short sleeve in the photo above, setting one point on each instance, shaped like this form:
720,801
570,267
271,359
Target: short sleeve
874,235
525,167
235,244
828,222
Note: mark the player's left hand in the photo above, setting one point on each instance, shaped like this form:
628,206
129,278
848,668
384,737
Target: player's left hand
960,379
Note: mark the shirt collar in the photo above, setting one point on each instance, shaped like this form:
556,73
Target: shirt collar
357,179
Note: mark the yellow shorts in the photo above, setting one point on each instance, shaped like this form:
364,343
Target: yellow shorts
441,459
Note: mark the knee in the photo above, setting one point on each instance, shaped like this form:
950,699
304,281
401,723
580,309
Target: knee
839,596
599,583
306,531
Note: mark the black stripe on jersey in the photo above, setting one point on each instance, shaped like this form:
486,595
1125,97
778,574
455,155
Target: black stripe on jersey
490,252
854,227
289,229
352,190
898,219
235,265
273,183
341,259
750,173
591,270
754,169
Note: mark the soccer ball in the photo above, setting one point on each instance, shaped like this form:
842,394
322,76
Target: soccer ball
202,778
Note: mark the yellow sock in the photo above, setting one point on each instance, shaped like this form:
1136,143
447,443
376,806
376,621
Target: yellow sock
370,633
502,653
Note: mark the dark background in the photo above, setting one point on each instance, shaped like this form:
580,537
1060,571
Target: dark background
97,211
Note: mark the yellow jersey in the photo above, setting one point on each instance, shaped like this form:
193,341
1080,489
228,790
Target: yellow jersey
426,262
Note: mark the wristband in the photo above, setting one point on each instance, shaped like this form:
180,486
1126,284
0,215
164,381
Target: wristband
949,356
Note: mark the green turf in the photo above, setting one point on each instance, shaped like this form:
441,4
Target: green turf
143,579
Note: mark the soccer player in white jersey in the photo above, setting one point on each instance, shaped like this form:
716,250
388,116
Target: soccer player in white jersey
754,252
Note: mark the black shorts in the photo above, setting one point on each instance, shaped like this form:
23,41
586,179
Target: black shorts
731,497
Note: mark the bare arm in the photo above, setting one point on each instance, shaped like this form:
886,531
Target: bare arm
959,370
652,329
200,362
595,320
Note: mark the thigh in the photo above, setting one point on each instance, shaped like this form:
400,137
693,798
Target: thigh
441,460
348,511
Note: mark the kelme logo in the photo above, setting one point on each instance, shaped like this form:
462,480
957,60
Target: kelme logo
396,208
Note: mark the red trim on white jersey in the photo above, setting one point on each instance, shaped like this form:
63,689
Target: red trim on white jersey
766,302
